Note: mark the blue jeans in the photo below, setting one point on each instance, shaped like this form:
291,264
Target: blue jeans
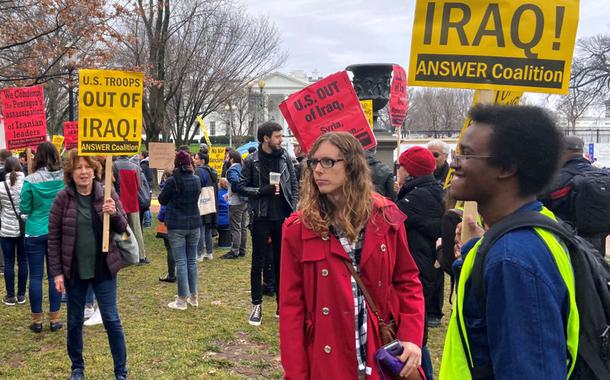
105,292
205,239
36,251
12,246
184,247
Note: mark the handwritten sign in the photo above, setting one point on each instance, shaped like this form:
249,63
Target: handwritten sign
398,97
110,112
517,45
161,155
367,108
329,105
58,141
70,134
25,121
217,157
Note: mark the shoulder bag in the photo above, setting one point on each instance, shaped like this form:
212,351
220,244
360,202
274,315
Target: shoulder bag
17,214
127,245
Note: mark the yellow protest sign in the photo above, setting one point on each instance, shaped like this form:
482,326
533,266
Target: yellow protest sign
110,112
204,130
217,157
58,141
517,45
495,97
367,107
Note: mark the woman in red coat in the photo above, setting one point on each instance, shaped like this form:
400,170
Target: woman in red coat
326,329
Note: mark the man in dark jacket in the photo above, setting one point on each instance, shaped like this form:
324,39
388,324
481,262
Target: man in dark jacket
421,199
559,199
382,176
270,205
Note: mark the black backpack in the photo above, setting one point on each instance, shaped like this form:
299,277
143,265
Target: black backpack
590,201
592,285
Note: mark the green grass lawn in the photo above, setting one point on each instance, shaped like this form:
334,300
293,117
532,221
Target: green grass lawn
213,341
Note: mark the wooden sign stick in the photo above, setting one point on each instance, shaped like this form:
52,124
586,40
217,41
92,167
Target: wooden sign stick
470,208
28,157
107,195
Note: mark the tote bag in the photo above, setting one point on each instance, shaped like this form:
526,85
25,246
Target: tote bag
207,199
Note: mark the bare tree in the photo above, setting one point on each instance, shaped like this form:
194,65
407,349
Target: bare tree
594,53
436,111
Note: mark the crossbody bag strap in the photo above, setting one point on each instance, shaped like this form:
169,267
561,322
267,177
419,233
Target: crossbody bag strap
10,197
365,292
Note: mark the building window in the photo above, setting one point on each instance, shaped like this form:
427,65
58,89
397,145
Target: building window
212,128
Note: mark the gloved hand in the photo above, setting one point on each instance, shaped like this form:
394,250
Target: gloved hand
266,190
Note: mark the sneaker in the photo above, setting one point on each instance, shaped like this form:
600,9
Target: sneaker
256,316
193,300
144,261
89,311
242,254
208,256
95,319
167,279
20,300
178,304
200,258
434,322
64,297
10,301
229,256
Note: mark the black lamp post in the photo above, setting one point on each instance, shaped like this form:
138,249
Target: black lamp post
71,66
372,81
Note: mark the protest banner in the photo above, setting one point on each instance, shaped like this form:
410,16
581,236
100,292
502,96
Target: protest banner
398,97
517,45
329,105
204,130
217,157
367,108
110,112
161,155
109,121
70,134
58,141
25,121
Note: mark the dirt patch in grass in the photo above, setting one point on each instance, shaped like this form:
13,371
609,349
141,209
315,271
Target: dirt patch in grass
15,360
245,357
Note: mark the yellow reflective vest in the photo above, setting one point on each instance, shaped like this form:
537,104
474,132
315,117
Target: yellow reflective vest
456,362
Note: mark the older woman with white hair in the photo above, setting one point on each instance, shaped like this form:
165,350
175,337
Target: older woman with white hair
440,150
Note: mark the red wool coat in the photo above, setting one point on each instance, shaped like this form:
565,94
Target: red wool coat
317,322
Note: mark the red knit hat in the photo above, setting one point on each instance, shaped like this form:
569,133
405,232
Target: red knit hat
417,161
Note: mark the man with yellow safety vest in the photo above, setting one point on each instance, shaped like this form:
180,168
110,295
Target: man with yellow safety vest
526,327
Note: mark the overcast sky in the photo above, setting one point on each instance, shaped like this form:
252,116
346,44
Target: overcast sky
329,35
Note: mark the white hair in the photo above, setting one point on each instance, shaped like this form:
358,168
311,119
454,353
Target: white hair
441,144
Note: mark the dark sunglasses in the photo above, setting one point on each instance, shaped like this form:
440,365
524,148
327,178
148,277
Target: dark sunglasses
326,163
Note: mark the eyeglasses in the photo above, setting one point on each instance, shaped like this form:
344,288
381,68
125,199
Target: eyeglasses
459,157
326,163
436,154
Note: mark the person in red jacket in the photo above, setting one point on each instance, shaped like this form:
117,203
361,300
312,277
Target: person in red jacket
326,329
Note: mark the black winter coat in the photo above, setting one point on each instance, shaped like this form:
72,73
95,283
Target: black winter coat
421,199
382,177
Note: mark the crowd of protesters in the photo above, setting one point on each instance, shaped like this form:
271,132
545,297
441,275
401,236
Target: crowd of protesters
357,254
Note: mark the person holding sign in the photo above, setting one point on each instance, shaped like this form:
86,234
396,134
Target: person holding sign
76,260
327,329
181,195
37,196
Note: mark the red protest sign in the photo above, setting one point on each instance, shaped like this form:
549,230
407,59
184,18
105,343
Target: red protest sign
25,122
398,97
70,134
329,105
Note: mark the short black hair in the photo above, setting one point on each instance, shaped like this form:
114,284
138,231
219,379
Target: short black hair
524,137
251,149
184,148
235,156
145,154
204,157
267,129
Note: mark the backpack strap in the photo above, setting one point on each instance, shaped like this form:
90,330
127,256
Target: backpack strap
510,223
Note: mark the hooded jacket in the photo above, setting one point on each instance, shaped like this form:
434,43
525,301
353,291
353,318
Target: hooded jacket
37,196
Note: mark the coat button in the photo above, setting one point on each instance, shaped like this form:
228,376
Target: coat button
383,248
327,349
325,310
324,272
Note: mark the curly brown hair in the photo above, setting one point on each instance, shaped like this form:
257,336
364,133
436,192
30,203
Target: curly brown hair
72,161
318,214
